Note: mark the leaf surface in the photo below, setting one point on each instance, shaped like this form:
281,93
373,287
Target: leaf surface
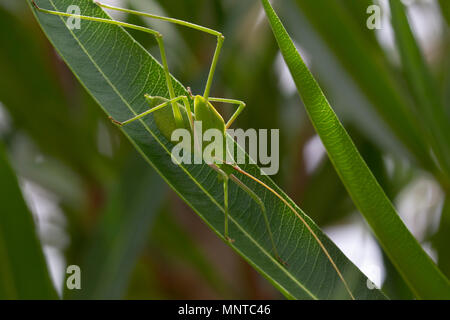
117,72
416,267
23,270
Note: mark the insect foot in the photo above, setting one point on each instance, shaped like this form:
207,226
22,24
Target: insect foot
284,263
115,121
229,239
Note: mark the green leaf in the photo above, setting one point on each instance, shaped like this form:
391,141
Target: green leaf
445,8
32,96
117,72
365,62
430,109
413,263
23,270
442,238
173,241
121,234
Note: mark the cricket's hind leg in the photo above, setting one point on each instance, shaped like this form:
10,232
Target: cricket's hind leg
226,177
258,200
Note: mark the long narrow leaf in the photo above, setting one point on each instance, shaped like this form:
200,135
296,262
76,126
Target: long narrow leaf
413,263
429,103
445,8
122,233
117,72
23,271
365,62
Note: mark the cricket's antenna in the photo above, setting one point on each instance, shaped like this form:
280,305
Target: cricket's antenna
238,169
35,5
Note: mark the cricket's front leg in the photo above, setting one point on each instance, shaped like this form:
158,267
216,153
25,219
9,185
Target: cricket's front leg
145,113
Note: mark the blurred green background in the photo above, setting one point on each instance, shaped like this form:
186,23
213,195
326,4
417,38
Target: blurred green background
98,205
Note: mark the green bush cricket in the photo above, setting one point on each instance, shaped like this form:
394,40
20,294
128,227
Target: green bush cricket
181,116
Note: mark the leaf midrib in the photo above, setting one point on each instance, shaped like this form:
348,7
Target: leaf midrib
292,277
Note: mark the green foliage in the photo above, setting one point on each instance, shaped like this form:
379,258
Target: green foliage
121,234
19,245
117,71
366,63
416,267
429,107
132,236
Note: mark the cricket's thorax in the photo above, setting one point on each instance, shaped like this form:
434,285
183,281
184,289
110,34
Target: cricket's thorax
206,113
209,128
